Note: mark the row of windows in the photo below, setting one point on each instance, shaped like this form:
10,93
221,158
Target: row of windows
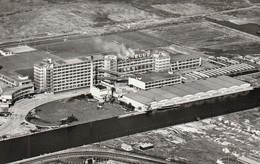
77,64
132,68
190,60
163,81
69,76
76,68
70,87
72,74
70,83
162,84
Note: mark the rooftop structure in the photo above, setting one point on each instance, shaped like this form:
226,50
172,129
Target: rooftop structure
13,86
187,92
20,49
49,73
13,78
181,57
154,80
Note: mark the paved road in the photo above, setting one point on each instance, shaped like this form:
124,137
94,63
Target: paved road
100,153
22,107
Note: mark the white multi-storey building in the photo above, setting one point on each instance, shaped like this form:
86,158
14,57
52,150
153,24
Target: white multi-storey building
162,61
180,61
66,74
110,63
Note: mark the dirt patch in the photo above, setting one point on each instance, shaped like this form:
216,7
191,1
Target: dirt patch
186,9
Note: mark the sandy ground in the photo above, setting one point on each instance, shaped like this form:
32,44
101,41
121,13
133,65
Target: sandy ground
2,120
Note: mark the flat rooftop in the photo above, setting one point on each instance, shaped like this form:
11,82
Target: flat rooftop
156,76
181,90
66,61
13,75
10,91
20,49
180,56
77,60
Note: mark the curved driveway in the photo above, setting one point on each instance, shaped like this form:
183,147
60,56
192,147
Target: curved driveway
22,107
122,156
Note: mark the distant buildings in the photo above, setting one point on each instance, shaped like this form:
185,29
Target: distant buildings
13,86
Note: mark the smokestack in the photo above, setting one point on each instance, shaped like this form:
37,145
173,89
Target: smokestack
91,72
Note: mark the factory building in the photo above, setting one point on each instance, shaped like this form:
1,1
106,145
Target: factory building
181,61
186,93
154,80
110,63
13,86
162,61
142,62
66,74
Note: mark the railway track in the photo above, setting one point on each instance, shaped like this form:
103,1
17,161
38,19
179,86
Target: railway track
98,154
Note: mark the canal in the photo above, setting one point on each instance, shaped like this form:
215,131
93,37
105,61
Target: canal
251,28
101,130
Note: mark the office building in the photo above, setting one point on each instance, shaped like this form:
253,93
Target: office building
66,74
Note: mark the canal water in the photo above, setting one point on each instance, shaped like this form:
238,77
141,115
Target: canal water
251,28
87,133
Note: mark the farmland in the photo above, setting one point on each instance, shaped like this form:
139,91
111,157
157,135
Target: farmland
106,43
193,35
23,60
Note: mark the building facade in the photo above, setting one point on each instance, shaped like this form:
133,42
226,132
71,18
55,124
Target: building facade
180,62
187,92
162,61
10,95
13,86
66,74
154,80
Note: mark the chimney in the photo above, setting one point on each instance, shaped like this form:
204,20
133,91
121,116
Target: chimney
91,72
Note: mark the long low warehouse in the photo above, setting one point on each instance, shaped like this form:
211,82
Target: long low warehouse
187,92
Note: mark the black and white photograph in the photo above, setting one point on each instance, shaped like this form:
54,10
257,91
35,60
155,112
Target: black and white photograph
130,81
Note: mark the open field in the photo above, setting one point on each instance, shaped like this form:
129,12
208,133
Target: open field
51,113
193,35
241,16
106,43
23,60
185,9
233,49
39,18
201,142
